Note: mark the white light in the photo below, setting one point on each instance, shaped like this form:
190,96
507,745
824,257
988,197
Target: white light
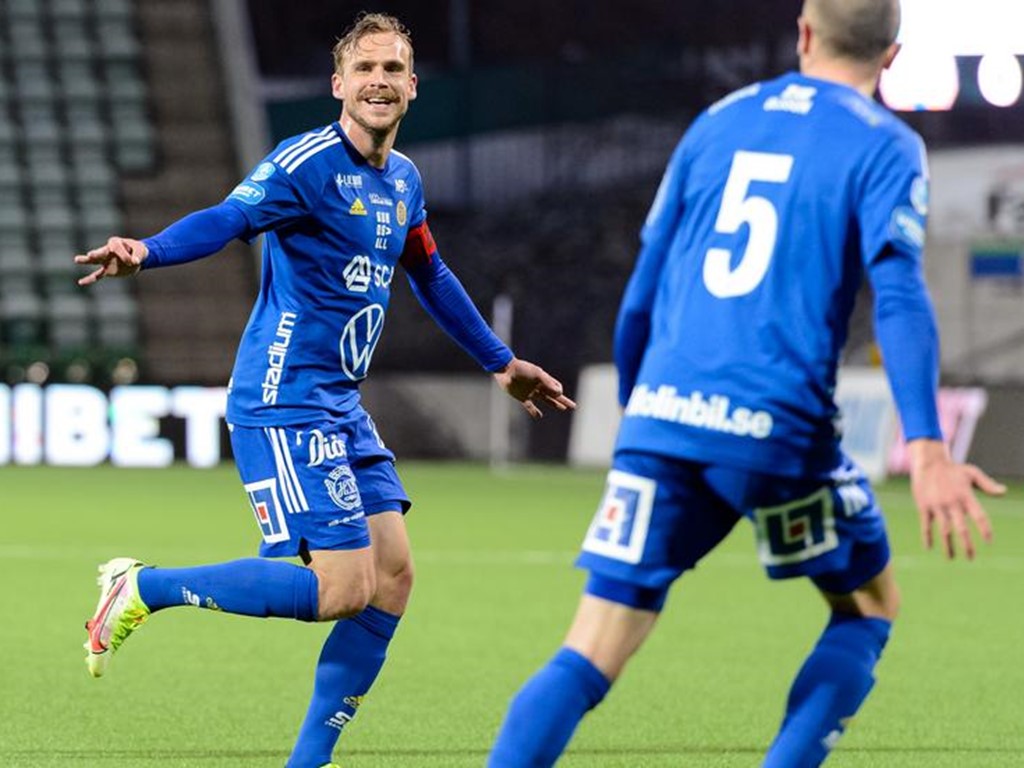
999,79
920,79
963,28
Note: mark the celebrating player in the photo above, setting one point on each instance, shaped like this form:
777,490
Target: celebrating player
340,209
777,201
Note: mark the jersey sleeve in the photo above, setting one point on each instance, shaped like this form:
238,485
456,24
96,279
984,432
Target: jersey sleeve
417,204
894,200
892,220
277,192
632,325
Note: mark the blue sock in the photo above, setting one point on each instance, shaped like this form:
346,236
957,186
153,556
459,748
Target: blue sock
546,711
253,587
349,662
828,690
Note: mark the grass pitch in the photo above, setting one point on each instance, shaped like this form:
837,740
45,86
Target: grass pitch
495,592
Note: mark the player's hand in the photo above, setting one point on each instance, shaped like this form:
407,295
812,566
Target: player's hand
531,385
944,493
120,257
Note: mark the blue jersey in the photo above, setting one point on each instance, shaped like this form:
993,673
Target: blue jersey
773,205
335,229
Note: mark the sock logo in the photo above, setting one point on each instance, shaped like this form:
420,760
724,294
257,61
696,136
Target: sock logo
354,701
339,719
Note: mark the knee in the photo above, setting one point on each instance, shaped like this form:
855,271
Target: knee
394,585
341,598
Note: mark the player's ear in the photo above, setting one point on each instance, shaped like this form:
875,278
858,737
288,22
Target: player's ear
412,86
889,56
337,86
803,38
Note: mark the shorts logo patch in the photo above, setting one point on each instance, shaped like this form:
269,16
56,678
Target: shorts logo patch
798,531
266,507
341,485
619,529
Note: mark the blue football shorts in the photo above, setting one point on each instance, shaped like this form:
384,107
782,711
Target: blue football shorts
312,486
659,516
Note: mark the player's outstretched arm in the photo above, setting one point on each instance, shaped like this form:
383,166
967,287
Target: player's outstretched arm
118,257
944,493
197,235
531,385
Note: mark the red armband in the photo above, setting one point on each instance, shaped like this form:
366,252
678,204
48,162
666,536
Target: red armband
419,247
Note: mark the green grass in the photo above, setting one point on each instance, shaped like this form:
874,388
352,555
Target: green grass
495,591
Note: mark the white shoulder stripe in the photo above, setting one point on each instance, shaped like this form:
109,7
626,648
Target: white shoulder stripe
318,147
404,157
297,146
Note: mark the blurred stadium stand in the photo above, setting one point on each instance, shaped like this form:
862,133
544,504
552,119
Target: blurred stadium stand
541,130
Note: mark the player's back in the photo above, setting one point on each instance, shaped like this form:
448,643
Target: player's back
762,214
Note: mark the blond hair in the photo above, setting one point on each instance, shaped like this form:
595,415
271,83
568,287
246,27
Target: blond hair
369,24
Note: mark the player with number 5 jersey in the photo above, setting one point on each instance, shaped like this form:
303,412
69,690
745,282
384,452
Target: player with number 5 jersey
776,204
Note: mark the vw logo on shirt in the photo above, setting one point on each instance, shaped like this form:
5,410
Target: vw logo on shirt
359,339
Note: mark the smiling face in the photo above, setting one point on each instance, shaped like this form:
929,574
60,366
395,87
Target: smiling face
375,84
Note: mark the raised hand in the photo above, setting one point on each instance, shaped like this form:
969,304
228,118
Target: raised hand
120,257
944,493
531,385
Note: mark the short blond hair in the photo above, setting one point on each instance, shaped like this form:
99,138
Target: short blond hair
369,24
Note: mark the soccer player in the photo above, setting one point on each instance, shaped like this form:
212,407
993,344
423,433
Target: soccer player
340,210
778,199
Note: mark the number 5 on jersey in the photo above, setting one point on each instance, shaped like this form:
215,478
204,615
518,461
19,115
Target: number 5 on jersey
758,212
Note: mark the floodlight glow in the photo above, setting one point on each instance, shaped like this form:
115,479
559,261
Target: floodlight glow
961,28
1000,79
920,79
934,32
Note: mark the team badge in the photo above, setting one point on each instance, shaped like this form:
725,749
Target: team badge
919,195
342,488
401,213
357,209
619,529
263,172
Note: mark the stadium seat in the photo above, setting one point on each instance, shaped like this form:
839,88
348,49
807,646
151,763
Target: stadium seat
63,64
21,318
68,316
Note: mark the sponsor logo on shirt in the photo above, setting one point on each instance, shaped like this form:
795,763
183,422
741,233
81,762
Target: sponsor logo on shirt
263,172
714,412
358,340
322,448
277,352
357,274
350,180
401,186
380,199
250,194
401,213
357,208
798,99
